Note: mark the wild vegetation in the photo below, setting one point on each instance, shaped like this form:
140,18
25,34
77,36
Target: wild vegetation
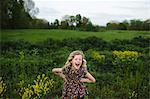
120,67
119,60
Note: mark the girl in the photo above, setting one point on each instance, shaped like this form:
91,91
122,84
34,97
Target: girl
74,74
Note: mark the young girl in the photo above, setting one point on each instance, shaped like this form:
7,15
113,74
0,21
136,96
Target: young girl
74,74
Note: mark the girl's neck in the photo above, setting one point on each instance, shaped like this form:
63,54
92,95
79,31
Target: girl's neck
75,69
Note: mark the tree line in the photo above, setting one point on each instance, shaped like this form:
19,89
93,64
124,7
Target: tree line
135,24
76,22
20,14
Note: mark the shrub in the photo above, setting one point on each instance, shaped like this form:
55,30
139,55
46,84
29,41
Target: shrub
42,85
2,87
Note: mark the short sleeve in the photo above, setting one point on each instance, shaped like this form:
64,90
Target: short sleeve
65,70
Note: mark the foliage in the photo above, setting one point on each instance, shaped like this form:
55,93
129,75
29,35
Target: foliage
76,22
126,54
2,87
134,24
20,14
42,85
125,61
120,67
97,56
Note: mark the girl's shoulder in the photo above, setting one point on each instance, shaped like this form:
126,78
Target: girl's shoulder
66,69
83,70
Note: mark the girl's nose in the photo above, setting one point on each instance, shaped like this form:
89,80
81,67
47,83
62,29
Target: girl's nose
78,60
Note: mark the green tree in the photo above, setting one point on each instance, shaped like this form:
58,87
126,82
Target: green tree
16,13
56,24
146,25
85,21
30,7
126,23
40,23
4,13
64,25
78,20
112,25
132,25
122,26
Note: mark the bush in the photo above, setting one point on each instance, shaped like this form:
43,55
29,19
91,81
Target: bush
117,74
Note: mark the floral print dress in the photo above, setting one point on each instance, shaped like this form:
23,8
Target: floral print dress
72,86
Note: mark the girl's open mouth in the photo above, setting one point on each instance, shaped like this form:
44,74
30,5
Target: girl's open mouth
77,64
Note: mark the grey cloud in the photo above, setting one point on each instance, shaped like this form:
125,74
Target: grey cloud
104,18
99,11
47,10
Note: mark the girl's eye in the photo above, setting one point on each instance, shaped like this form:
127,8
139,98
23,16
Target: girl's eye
78,59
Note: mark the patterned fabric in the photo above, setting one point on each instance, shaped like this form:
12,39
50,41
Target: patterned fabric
72,86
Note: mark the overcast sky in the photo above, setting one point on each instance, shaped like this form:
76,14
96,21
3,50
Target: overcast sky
99,11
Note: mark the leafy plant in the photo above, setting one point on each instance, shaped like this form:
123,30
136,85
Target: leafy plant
42,85
2,87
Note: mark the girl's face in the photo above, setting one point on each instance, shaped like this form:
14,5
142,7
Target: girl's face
77,61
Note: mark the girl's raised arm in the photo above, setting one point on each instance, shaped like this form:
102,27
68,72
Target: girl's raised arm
59,72
88,78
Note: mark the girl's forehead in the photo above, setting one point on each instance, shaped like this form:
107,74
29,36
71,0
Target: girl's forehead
78,56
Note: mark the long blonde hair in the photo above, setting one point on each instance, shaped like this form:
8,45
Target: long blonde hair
71,56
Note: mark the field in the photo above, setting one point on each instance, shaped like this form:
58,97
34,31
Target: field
36,35
119,61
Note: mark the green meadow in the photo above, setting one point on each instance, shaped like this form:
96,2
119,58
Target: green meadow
117,55
28,56
37,35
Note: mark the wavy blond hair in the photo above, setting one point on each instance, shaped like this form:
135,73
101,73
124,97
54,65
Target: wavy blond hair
71,56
